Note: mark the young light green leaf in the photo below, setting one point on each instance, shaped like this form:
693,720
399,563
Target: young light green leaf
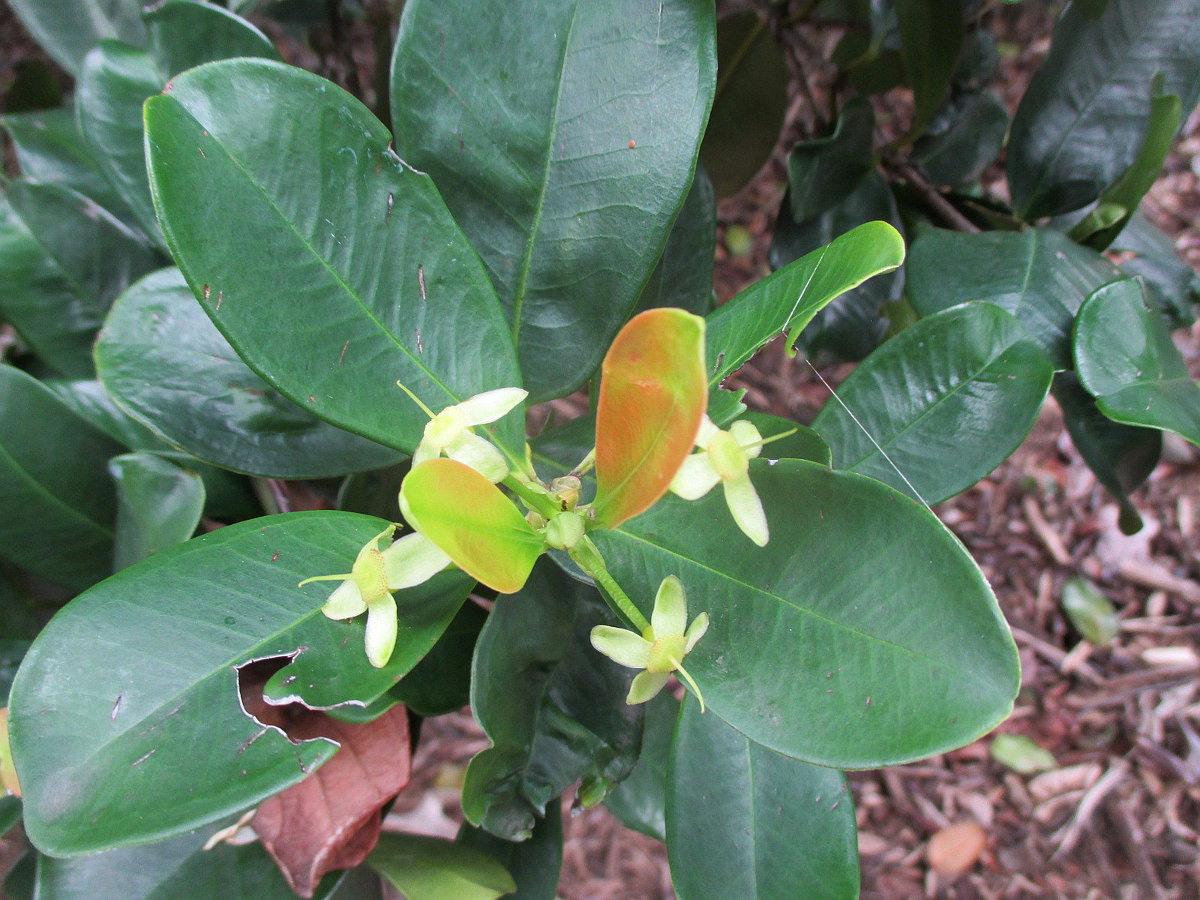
431,868
852,324
475,524
787,300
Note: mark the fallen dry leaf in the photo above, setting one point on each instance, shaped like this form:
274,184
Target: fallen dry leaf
956,848
331,819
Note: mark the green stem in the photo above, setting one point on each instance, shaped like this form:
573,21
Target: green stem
588,558
541,503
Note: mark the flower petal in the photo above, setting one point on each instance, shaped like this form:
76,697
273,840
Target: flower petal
748,437
695,632
381,632
646,686
706,431
412,560
476,452
669,617
747,509
345,602
621,646
695,478
491,405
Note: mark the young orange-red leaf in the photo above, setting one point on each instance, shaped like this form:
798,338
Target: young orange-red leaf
653,393
472,522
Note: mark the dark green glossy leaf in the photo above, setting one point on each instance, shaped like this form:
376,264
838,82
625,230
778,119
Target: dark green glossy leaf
684,275
21,881
88,399
10,813
36,85
804,443
931,36
18,617
852,325
749,104
1126,192
332,268
940,405
962,138
758,824
179,867
166,363
11,653
228,496
1083,116
51,150
565,157
1037,275
1126,359
789,298
64,260
1121,456
114,82
431,868
552,706
152,677
815,646
158,505
441,682
1171,283
185,34
640,800
57,502
68,29
535,863
116,79
824,172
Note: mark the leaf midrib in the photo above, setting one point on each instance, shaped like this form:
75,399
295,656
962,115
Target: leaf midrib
802,610
519,291
290,227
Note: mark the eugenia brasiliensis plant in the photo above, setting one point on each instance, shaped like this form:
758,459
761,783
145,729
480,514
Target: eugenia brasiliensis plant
227,275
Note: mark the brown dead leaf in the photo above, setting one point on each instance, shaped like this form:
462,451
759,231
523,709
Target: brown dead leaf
956,848
331,819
